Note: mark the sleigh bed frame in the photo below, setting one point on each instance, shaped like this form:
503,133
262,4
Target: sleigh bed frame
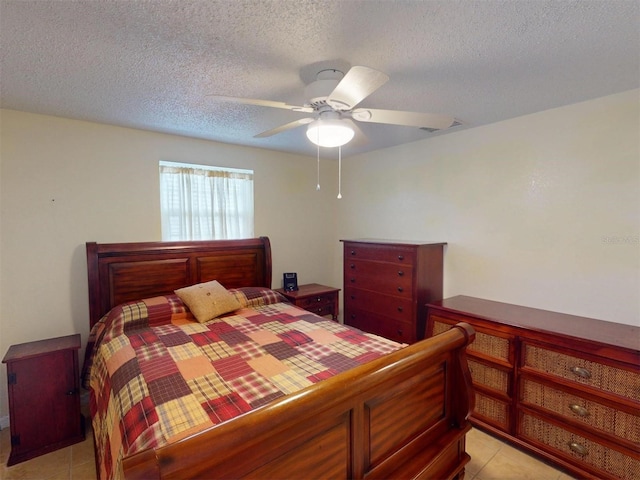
404,415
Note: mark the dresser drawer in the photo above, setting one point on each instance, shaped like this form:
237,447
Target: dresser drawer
596,415
400,308
379,253
582,371
489,377
384,278
391,328
485,343
491,410
576,447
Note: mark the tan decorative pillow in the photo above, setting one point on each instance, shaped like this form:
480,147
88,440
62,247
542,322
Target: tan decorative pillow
208,300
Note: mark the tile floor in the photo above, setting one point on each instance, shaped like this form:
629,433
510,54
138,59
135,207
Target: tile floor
491,459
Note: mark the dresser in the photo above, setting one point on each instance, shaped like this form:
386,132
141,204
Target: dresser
387,284
564,387
44,396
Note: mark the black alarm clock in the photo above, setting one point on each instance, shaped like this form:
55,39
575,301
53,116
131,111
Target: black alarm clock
290,282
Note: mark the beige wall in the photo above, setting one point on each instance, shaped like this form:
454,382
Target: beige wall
541,210
66,182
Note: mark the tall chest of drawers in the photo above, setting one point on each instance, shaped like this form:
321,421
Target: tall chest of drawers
564,387
387,284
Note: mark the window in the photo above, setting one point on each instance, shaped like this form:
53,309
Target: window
199,202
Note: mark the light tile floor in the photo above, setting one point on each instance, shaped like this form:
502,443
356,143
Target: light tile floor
74,462
491,459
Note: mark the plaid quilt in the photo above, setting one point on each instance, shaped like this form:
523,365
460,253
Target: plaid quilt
156,375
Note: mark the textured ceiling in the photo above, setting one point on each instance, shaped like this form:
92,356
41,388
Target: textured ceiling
151,64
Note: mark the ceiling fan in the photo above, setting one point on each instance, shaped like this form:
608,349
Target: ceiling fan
333,98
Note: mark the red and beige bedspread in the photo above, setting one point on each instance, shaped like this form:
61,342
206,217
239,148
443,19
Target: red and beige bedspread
156,375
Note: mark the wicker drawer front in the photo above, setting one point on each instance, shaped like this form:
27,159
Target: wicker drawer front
585,372
493,410
496,347
596,415
489,377
577,447
441,327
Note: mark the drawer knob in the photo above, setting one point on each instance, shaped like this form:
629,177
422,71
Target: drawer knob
579,449
400,257
400,289
353,297
400,309
400,273
581,372
71,392
319,299
352,266
353,252
353,280
579,410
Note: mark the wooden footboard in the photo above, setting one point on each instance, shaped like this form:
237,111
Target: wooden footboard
402,416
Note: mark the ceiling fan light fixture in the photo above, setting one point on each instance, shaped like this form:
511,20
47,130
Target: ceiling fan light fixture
330,132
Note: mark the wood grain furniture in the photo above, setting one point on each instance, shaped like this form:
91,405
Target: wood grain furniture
387,284
44,396
316,298
403,415
564,387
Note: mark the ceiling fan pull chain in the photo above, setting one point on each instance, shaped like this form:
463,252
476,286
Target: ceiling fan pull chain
339,172
318,148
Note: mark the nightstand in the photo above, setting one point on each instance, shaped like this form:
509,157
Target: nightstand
316,298
44,396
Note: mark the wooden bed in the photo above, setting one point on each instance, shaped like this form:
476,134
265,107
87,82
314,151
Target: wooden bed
404,415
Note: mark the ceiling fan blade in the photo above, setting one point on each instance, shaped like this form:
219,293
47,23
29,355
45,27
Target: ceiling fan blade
262,103
408,119
284,128
357,84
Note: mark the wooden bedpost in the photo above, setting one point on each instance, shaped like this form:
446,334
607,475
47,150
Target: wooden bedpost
268,266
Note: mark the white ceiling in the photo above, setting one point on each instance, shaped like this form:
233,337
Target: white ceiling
151,64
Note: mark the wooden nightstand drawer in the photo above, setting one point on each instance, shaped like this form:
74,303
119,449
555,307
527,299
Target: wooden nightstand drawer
316,298
320,309
44,396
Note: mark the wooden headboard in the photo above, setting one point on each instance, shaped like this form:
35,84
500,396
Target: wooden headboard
123,272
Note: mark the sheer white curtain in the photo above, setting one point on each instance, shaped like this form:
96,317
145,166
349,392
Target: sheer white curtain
205,203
